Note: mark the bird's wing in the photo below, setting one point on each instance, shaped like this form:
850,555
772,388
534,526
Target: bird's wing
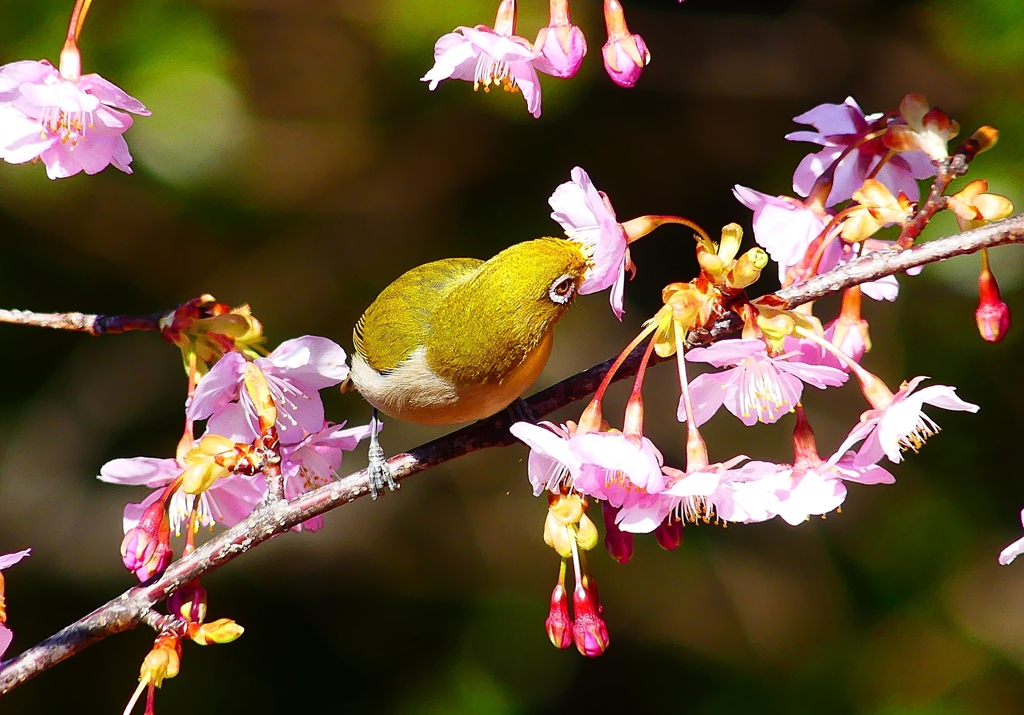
398,321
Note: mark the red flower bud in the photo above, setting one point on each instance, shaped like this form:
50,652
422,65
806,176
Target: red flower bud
669,534
589,629
558,624
992,315
618,542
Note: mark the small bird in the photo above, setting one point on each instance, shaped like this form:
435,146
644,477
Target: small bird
460,339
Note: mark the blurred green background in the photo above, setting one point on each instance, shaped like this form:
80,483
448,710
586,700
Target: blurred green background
295,162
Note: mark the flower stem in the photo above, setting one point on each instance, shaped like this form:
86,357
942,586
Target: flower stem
696,450
639,227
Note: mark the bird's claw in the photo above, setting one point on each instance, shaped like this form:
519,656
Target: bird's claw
519,411
380,473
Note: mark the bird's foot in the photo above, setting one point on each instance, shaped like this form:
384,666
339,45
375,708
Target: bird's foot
519,411
380,473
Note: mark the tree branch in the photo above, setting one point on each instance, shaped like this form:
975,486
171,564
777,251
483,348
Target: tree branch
83,322
133,606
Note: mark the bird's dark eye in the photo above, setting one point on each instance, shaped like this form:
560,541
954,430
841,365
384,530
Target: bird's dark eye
562,289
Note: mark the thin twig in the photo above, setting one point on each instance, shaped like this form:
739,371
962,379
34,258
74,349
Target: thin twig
269,519
83,322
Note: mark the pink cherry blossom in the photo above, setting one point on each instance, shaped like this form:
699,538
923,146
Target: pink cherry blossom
296,371
852,344
605,465
227,502
1006,556
624,469
714,491
805,491
312,462
484,57
783,226
70,125
839,127
587,217
902,424
759,388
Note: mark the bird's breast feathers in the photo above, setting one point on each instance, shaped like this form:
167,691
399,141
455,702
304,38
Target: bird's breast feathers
414,392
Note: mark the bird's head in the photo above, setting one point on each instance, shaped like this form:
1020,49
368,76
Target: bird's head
540,277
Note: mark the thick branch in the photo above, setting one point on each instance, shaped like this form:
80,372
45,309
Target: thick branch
129,609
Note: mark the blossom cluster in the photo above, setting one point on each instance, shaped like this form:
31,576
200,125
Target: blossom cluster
863,179
265,437
497,56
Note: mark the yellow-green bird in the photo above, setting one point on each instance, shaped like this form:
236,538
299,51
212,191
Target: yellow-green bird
460,339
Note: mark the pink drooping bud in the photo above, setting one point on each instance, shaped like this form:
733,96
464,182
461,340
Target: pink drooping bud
589,629
619,543
625,54
558,623
669,534
146,548
992,315
561,46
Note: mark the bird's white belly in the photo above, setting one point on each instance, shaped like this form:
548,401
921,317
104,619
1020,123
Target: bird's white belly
415,393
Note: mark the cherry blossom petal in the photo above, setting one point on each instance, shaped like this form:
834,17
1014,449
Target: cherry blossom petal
109,93
708,392
6,636
218,388
8,560
310,363
615,452
550,455
820,376
140,471
1011,552
945,397
727,352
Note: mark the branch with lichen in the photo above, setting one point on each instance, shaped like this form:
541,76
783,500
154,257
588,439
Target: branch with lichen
135,606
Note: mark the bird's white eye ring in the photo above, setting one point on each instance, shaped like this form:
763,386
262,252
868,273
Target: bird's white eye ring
562,289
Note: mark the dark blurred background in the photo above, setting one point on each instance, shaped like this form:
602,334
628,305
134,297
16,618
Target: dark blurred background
295,162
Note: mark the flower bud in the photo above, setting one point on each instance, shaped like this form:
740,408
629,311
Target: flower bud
223,630
558,624
669,534
876,207
146,548
625,54
566,508
205,330
200,477
188,602
586,534
992,315
561,46
588,629
163,662
747,269
557,536
619,543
